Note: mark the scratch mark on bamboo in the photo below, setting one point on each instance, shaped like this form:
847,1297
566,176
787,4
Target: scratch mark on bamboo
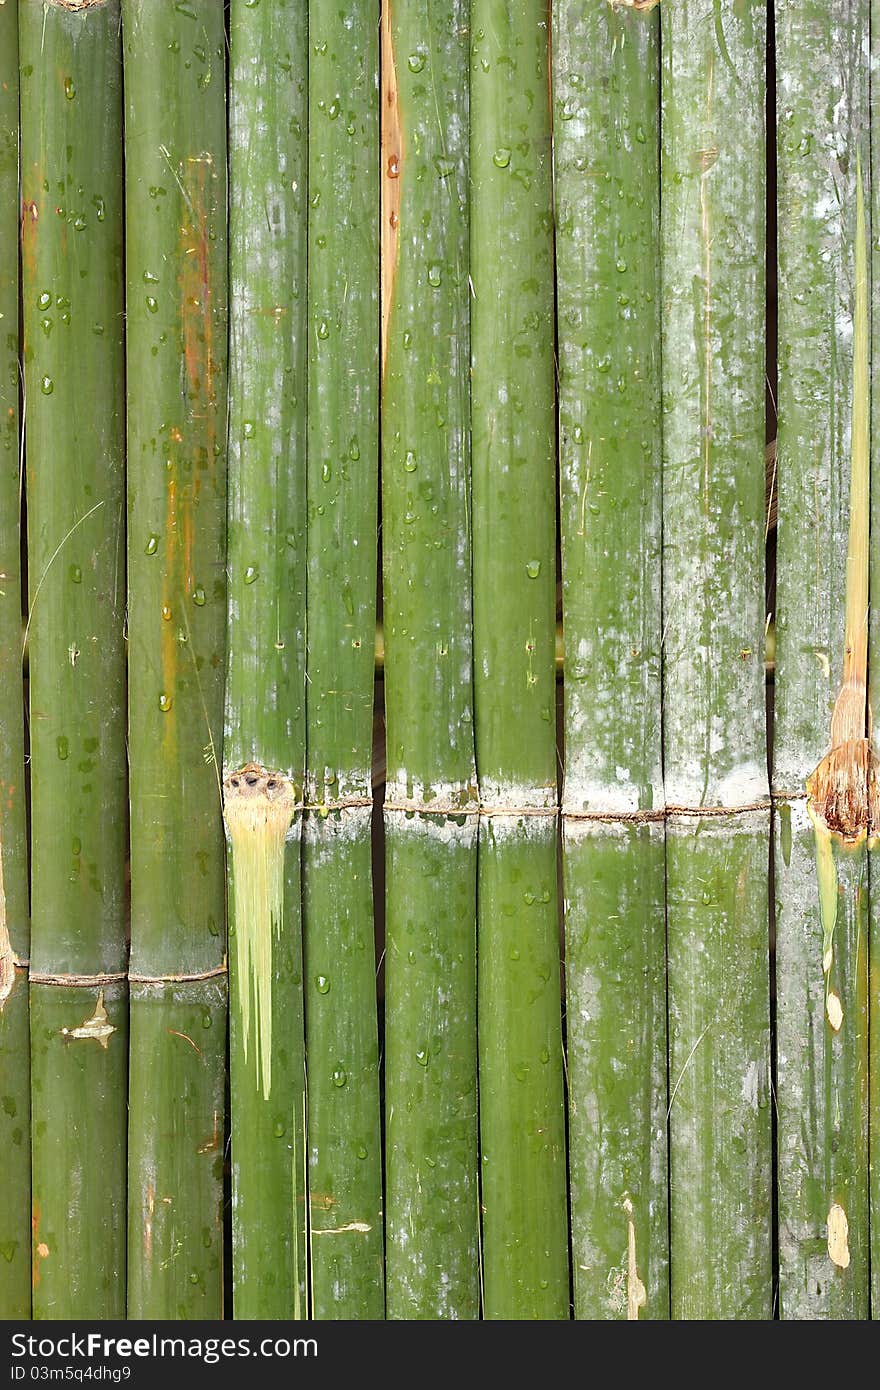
98,1026
636,1293
362,1227
391,148
838,1236
186,1038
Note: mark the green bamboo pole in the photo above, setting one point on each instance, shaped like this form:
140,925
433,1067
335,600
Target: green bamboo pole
264,746
72,293
175,132
821,965
15,1298
607,115
712,199
345,1176
522,1131
873,690
431,793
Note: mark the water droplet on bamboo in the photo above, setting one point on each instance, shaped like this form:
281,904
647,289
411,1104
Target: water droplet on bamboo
165,702
533,569
63,747
501,158
47,385
199,597
152,545
340,1076
322,984
251,574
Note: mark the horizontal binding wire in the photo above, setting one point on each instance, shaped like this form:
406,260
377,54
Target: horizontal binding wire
789,796
350,803
177,979
442,808
665,812
42,977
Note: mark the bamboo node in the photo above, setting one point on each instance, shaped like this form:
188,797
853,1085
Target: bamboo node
842,792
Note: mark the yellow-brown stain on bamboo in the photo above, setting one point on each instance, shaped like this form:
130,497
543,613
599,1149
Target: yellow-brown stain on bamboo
838,1236
834,1010
7,958
392,154
636,1293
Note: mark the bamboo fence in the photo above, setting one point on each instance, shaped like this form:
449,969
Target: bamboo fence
438,794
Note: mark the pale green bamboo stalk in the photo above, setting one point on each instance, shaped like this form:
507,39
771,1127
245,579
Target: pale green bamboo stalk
821,964
713,235
522,1125
264,745
431,793
607,117
345,1176
176,317
72,295
15,1294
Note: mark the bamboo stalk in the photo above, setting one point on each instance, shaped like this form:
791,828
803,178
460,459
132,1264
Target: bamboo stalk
712,198
72,293
522,1130
607,110
15,1297
264,746
873,677
176,314
821,646
431,847
345,1176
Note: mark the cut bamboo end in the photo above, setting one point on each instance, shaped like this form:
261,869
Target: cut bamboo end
258,806
843,793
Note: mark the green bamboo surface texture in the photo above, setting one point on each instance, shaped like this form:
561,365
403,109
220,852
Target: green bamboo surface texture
873,669
345,1142
606,114
430,992
712,237
15,1297
821,1072
175,82
265,698
525,1235
72,293
343,421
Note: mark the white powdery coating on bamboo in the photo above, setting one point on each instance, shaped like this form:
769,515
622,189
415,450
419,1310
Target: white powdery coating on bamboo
622,798
460,831
513,796
742,786
322,833
575,830
441,798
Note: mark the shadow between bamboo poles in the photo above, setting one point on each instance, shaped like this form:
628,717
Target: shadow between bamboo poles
15,1293
522,1129
431,859
345,1184
175,134
606,146
712,200
822,1044
72,294
264,743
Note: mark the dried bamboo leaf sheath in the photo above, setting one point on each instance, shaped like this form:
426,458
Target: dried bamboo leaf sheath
345,1172
712,198
606,112
431,852
522,1131
820,876
15,1297
264,747
176,272
72,292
